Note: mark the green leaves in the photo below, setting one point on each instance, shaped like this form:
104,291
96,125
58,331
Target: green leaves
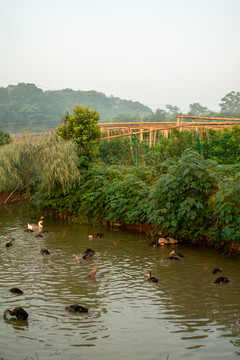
226,213
179,200
81,127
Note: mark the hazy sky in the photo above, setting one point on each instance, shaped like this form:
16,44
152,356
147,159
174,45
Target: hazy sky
157,52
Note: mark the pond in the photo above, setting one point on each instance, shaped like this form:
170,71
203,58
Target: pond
182,316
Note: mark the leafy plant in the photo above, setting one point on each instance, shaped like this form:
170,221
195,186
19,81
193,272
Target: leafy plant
179,201
226,214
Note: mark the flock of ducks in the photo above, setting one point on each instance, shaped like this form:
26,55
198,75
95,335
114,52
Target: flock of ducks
22,314
175,256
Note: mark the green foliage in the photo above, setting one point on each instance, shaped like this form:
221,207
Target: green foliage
226,215
179,201
81,127
4,138
127,200
224,146
94,187
116,151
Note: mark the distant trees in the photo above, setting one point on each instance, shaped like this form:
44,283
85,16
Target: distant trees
25,107
230,104
196,109
162,115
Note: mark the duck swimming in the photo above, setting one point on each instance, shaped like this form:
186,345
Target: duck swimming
19,312
9,243
170,258
221,280
35,226
153,244
16,291
217,270
96,236
152,278
79,259
44,252
174,253
92,273
88,254
76,308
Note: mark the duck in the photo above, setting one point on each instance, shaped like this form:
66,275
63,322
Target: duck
76,308
35,226
39,234
92,273
16,291
221,280
79,259
50,266
153,244
44,252
28,230
152,278
174,253
9,243
19,312
88,254
217,270
170,258
96,236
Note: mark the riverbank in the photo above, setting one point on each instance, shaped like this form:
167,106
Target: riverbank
227,248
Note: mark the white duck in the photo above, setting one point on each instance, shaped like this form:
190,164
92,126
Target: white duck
36,226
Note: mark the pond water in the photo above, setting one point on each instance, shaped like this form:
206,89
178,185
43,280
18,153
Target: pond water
183,316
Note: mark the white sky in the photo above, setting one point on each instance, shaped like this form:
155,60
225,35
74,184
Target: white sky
157,52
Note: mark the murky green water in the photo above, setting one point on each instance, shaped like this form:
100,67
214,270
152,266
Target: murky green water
183,316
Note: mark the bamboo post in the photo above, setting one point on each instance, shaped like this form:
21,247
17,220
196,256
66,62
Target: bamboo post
150,139
154,138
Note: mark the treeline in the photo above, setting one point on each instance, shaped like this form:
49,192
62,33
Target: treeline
185,195
26,107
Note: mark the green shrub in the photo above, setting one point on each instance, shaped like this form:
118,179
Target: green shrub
179,201
226,214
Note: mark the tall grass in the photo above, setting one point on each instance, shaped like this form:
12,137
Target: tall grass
45,165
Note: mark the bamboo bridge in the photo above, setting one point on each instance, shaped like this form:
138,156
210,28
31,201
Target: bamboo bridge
117,130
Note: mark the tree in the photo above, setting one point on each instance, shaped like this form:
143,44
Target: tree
231,103
173,110
4,138
196,109
82,127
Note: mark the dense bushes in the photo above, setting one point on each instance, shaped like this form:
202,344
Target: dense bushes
187,197
180,198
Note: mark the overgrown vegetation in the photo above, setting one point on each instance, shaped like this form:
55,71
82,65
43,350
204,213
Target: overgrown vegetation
174,189
43,167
